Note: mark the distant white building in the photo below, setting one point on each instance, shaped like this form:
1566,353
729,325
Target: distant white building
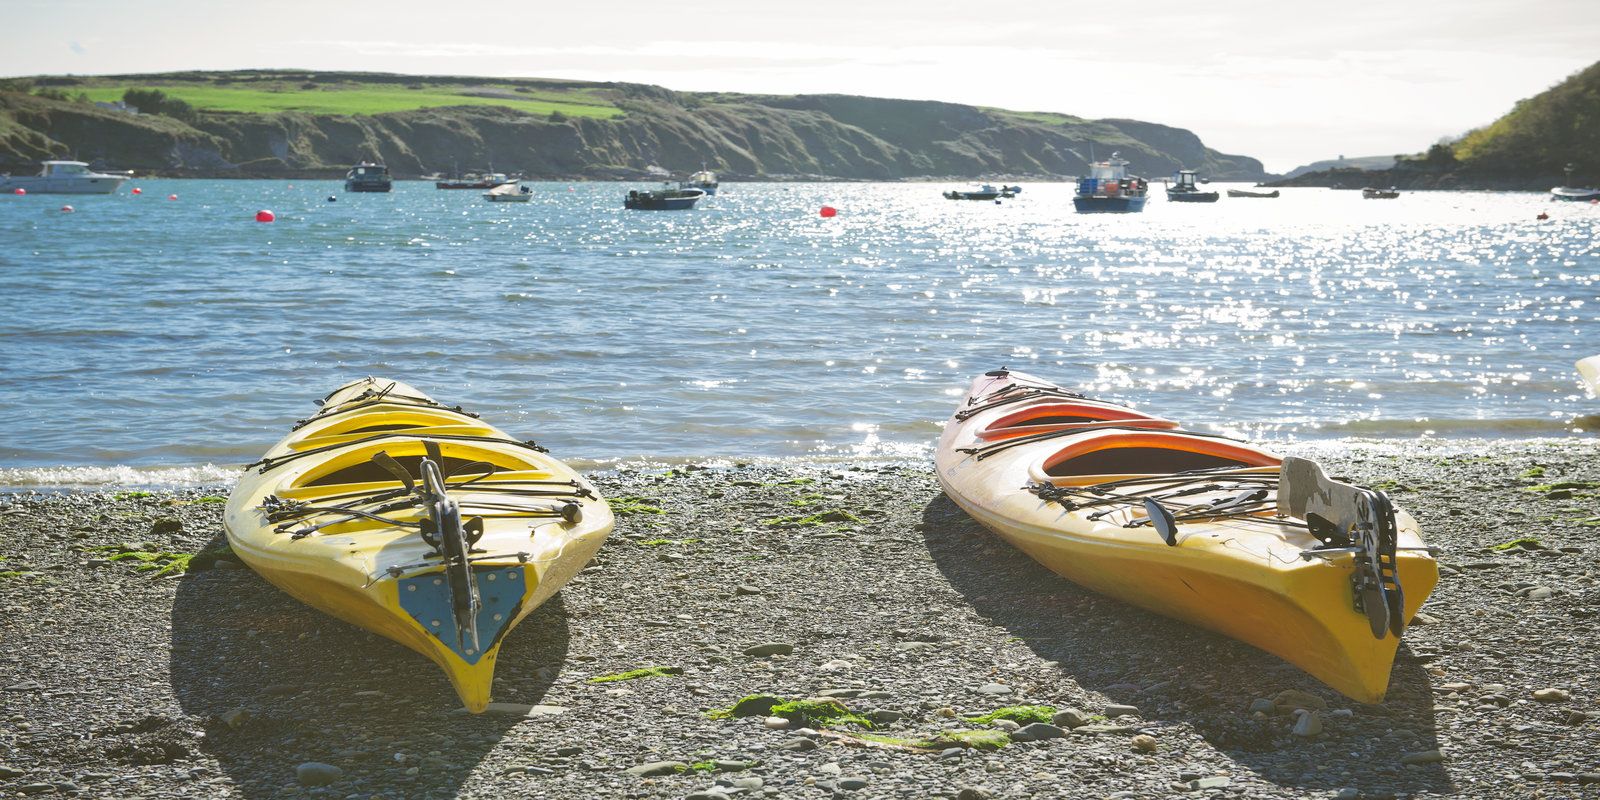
118,105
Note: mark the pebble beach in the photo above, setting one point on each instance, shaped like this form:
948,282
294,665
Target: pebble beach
801,631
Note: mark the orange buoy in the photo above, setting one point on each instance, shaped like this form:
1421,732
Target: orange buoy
265,216
67,209
829,211
172,197
20,190
137,190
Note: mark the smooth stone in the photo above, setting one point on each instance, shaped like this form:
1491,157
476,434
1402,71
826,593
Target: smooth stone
831,768
1552,695
316,773
1291,699
1070,718
1307,724
709,794
1211,782
852,783
746,591
1262,705
1433,756
974,793
1006,725
994,689
1424,619
759,705
729,765
799,744
1144,743
235,717
1540,593
654,768
776,723
1348,793
907,647
884,716
769,649
569,750
1037,731
846,693
1113,711
749,784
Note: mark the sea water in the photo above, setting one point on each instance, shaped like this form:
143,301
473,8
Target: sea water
144,336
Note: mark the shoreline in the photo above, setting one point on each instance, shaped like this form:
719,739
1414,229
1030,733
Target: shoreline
212,683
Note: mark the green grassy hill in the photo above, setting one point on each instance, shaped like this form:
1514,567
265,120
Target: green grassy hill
1525,149
294,123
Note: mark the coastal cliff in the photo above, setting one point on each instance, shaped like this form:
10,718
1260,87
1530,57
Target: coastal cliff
642,129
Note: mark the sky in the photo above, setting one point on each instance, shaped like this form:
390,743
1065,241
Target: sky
1284,82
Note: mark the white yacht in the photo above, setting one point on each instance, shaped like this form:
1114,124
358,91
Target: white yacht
63,177
705,180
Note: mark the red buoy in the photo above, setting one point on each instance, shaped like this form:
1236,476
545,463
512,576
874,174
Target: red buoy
137,190
172,197
20,190
265,216
1542,216
829,211
67,209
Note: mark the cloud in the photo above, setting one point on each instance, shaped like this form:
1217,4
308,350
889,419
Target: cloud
77,48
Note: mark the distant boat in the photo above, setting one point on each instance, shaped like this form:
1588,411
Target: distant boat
368,177
1568,192
984,192
1183,190
1109,189
509,193
63,177
667,198
473,180
705,180
1370,193
1589,368
1248,193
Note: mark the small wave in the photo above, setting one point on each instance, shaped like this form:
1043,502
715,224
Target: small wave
1525,426
118,475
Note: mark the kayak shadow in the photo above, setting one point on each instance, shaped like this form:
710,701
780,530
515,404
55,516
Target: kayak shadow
1181,676
312,688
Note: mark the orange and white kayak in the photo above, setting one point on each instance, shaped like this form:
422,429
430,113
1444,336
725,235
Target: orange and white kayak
1212,531
418,522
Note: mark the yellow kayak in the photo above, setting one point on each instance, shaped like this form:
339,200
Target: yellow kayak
1212,531
418,522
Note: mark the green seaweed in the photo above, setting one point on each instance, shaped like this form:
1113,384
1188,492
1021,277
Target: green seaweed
132,495
796,482
210,499
1574,486
1022,715
813,520
1535,472
160,562
819,712
1524,543
751,705
807,499
623,506
634,674
703,766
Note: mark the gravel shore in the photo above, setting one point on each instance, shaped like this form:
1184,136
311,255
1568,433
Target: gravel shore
859,585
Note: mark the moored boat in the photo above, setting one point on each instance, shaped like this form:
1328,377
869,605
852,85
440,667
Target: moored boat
368,177
1183,190
509,193
1370,193
1211,531
1567,192
1248,193
705,180
473,180
984,192
1109,189
63,177
417,522
667,198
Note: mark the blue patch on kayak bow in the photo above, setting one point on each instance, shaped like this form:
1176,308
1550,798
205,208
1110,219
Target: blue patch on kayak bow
500,591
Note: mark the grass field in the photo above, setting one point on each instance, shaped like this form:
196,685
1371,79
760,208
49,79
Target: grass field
365,99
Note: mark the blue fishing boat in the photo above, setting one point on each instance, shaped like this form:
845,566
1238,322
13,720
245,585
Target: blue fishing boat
1109,189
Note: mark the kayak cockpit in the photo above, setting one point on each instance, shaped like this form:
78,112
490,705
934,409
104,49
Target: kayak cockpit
1103,456
1060,416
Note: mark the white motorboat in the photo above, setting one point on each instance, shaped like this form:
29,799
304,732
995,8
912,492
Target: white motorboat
63,177
705,180
509,193
1572,193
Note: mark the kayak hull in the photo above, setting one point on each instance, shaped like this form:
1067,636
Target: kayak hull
386,579
1241,577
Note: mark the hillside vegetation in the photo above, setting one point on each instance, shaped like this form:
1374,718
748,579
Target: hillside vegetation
1527,148
287,123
